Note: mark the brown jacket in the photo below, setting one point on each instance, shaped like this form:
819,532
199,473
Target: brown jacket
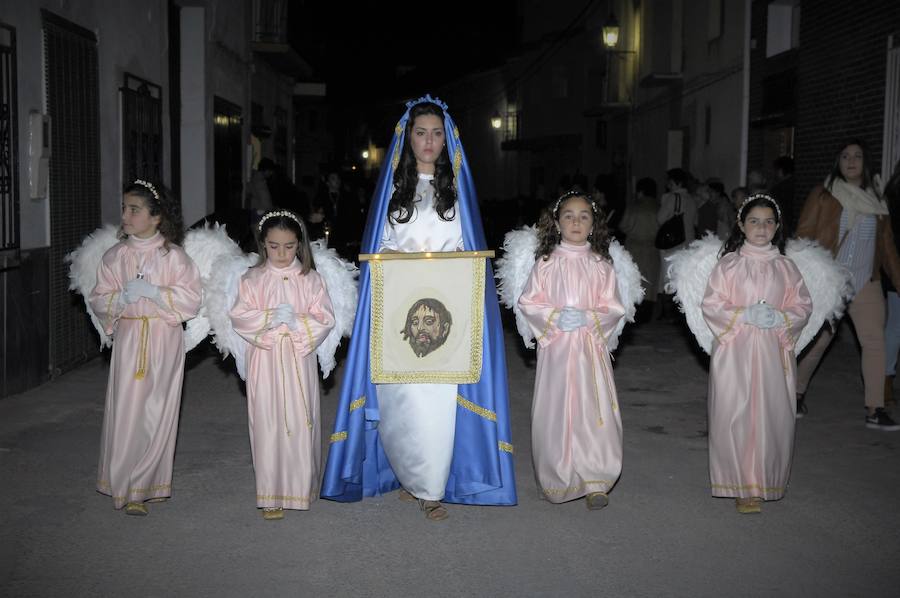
820,221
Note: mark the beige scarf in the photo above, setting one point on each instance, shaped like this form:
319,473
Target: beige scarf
856,200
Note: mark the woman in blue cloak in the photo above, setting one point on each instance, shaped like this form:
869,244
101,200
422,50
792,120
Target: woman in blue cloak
436,442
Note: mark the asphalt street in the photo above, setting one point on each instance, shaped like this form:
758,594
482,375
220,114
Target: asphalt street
837,532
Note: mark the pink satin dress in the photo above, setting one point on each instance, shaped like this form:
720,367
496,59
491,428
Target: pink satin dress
576,428
752,402
143,397
283,381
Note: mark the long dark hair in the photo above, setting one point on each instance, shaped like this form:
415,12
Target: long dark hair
836,165
285,220
548,231
737,238
406,177
159,202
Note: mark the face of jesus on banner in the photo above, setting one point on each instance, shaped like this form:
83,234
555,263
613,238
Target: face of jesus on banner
427,326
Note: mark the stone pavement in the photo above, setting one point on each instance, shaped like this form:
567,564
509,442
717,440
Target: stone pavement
837,533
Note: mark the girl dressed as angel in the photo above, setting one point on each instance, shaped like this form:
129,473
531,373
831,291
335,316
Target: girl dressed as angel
572,305
756,303
147,286
284,311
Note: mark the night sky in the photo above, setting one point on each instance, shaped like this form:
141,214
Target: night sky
383,52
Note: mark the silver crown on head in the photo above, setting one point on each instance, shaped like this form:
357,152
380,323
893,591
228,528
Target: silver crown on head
149,186
277,213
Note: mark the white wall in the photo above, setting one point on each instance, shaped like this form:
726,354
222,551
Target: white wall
128,40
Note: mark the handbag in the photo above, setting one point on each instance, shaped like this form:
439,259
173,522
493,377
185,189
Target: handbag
671,232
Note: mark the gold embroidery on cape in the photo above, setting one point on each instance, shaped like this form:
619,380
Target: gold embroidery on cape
358,403
476,409
395,160
337,437
506,447
379,376
457,163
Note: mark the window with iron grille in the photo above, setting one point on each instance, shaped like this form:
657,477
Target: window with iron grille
9,187
142,144
511,131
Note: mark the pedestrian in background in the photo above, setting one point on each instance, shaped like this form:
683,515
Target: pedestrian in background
845,216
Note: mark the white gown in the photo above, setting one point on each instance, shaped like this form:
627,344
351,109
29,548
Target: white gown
418,421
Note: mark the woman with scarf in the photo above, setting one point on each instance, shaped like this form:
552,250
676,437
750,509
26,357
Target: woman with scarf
846,216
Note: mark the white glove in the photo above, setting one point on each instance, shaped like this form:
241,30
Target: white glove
761,315
571,319
137,288
284,314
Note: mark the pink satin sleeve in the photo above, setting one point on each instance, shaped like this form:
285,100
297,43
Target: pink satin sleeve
539,312
796,308
721,315
608,309
105,298
251,318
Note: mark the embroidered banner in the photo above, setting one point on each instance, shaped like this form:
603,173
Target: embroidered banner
427,318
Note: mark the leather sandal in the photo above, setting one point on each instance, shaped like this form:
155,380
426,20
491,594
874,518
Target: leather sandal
434,510
747,506
405,496
136,508
273,514
596,500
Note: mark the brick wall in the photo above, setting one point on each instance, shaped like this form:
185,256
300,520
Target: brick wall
841,69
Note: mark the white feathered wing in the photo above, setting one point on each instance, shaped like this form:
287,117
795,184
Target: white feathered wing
687,274
512,272
827,281
514,268
340,282
85,260
204,246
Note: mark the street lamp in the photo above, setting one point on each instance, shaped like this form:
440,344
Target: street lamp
611,32
365,154
496,120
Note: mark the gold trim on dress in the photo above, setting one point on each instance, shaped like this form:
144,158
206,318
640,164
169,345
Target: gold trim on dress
172,303
747,487
734,318
358,403
425,255
300,499
580,486
265,325
312,341
476,409
506,447
337,437
597,324
549,323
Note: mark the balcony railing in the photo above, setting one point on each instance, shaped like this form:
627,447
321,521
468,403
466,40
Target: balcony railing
270,21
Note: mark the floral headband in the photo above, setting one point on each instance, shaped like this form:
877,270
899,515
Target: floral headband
574,193
283,213
149,186
755,196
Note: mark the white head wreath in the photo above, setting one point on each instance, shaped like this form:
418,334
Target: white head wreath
755,196
149,186
284,213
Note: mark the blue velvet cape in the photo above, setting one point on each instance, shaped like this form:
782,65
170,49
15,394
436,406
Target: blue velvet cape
482,471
